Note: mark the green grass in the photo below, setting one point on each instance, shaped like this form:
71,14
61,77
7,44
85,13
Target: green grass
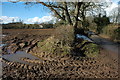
91,50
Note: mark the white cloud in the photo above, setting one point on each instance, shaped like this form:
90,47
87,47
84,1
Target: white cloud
110,8
40,20
6,19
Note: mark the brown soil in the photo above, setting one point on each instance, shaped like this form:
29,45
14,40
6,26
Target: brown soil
20,39
27,33
104,66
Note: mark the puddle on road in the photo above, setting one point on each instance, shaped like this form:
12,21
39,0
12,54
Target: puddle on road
1,45
83,37
19,54
2,35
16,57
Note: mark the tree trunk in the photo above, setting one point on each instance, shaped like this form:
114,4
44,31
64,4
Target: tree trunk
78,5
68,19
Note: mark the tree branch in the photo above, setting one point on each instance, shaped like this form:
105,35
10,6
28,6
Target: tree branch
67,14
77,8
52,9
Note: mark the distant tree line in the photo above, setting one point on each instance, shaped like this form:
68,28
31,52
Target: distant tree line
20,25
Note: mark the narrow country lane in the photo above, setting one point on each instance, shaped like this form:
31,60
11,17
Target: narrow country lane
106,44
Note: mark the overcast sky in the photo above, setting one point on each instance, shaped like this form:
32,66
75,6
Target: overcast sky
30,15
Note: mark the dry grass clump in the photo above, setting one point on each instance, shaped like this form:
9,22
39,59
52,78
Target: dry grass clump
60,42
65,34
112,31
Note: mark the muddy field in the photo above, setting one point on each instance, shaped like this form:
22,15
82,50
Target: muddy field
38,34
104,66
19,39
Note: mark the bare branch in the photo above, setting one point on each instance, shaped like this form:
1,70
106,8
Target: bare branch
77,8
50,5
67,14
52,9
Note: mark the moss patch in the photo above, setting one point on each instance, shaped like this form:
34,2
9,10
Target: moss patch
54,46
91,50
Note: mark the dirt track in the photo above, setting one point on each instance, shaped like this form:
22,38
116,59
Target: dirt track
106,44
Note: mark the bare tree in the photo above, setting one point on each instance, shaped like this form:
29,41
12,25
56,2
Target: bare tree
69,12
